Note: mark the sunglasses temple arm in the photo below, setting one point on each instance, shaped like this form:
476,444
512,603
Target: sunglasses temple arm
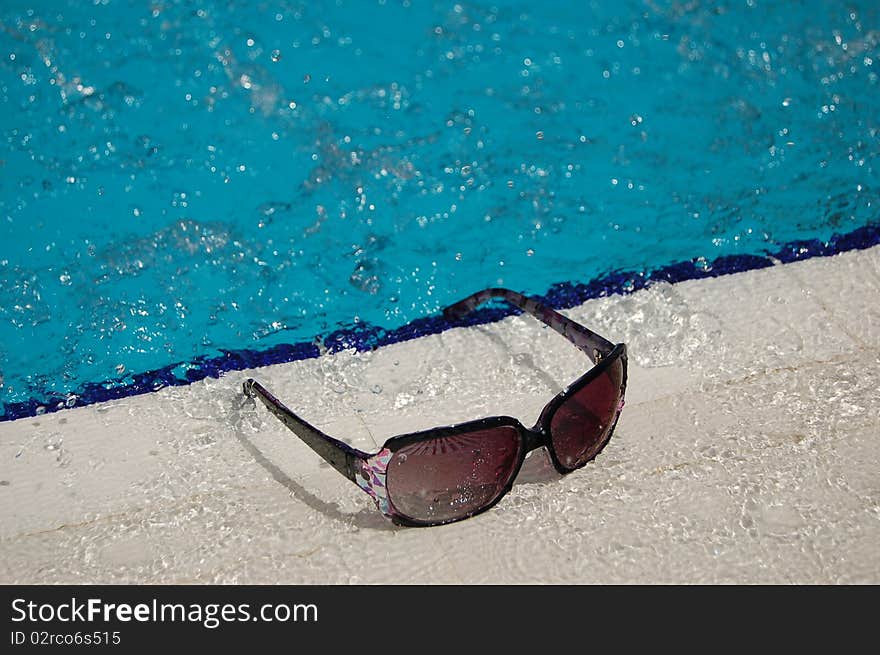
339,455
592,344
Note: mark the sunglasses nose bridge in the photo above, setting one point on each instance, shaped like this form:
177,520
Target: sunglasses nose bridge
533,438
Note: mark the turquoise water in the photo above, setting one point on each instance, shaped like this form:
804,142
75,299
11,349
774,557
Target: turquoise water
180,178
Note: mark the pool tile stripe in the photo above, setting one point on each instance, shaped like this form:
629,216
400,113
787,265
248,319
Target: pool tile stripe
363,337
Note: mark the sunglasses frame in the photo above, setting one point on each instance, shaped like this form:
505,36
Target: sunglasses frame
368,471
530,439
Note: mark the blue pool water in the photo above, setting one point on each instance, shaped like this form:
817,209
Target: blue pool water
186,178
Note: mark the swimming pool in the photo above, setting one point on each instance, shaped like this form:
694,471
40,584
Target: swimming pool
193,187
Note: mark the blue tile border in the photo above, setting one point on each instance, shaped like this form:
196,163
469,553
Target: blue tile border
364,337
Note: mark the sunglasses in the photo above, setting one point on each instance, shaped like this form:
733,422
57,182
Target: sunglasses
451,473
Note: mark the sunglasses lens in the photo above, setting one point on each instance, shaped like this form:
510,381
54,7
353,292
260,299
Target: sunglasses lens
583,422
452,477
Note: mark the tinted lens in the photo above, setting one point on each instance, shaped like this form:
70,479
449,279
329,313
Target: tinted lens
582,424
454,476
